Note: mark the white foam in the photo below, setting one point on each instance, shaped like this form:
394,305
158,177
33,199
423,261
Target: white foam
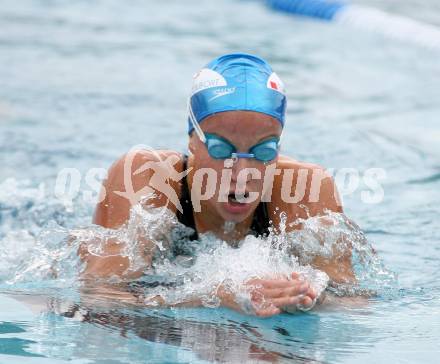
49,254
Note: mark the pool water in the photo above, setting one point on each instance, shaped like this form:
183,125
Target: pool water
82,82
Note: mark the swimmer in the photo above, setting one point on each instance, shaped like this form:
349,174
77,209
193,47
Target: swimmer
231,183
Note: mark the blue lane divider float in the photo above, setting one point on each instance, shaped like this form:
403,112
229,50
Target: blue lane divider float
313,8
371,19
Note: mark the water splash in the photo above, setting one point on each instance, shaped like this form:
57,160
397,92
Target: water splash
187,269
330,237
33,237
216,264
47,253
228,227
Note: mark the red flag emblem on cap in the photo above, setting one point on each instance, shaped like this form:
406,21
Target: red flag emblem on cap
274,83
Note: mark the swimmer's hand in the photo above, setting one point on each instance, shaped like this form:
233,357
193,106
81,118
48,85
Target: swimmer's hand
268,297
271,296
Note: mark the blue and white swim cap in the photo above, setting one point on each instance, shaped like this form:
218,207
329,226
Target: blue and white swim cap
236,82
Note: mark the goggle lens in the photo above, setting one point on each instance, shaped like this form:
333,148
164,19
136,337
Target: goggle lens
219,148
265,151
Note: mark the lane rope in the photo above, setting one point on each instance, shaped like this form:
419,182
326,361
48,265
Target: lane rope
363,17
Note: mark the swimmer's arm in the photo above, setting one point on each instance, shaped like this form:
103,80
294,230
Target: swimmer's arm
321,197
339,266
111,261
113,212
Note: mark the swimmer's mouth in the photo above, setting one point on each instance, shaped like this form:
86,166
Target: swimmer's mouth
238,198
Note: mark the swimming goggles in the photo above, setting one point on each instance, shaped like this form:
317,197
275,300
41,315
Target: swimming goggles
220,148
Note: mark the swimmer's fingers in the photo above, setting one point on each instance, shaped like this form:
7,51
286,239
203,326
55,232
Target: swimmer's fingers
306,302
279,282
263,307
286,301
292,291
281,294
311,293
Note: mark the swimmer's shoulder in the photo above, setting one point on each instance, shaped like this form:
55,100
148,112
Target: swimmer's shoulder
302,172
128,178
286,162
309,187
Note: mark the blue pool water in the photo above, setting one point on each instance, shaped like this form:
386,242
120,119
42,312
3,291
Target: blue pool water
82,82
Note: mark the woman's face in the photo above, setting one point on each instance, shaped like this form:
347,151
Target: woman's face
243,129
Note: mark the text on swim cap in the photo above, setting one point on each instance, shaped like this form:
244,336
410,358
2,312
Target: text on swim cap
207,78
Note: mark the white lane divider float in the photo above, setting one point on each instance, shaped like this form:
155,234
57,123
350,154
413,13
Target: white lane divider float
375,20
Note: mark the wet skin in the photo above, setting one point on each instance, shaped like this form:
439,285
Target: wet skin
243,129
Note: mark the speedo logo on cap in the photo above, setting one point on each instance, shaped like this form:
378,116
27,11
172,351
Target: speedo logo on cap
207,78
275,83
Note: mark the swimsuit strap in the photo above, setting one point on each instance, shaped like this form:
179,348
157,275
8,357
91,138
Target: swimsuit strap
260,222
187,217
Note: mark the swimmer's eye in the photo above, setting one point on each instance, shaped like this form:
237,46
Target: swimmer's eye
266,150
219,148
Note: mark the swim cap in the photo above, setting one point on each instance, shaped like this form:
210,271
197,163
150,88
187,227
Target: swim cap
236,82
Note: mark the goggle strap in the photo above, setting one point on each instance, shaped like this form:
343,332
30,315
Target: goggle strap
195,124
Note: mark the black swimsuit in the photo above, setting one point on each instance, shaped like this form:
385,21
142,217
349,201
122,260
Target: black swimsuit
260,223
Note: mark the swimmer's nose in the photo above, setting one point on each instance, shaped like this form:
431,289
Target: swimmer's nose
239,165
